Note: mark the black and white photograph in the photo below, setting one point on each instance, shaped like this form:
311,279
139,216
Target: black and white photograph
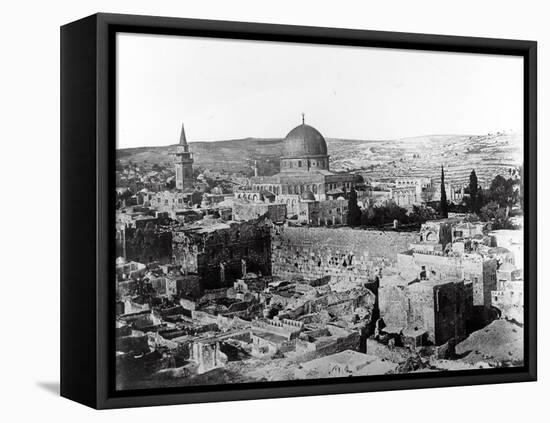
276,211
291,211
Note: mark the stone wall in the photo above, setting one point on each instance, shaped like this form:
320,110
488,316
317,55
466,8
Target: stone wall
341,253
144,245
219,257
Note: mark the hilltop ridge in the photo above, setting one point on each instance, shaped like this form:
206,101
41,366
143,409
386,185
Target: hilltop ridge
416,156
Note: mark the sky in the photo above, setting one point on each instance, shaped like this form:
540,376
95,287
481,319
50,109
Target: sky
230,89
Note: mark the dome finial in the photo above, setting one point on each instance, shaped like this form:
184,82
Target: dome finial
303,118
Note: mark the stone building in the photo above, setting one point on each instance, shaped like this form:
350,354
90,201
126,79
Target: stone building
174,200
455,193
465,230
508,299
128,270
221,253
435,235
434,310
304,166
511,240
255,195
276,212
321,213
479,270
143,244
405,196
433,256
164,286
424,188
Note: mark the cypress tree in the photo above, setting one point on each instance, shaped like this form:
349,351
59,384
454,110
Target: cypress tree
474,195
354,212
444,205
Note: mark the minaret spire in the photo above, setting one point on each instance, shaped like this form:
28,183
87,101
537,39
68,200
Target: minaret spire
183,138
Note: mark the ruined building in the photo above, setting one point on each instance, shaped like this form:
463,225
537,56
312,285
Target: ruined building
425,310
221,253
143,244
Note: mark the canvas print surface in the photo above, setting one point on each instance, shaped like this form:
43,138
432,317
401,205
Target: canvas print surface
292,211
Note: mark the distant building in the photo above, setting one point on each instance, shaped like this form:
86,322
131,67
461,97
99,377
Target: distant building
276,212
321,213
467,230
175,200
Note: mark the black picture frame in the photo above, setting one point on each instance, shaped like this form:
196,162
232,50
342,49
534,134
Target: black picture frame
87,207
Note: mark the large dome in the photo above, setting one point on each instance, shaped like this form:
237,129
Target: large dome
304,141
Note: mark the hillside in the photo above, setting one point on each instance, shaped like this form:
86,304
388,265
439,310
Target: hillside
417,156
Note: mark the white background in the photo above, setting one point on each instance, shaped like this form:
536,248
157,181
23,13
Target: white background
29,94
228,89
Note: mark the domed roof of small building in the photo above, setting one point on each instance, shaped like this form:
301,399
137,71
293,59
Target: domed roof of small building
307,196
303,141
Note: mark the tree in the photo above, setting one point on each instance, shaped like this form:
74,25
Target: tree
354,212
367,216
378,216
502,191
421,214
474,194
492,212
444,205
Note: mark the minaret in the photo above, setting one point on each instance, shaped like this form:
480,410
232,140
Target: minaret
184,163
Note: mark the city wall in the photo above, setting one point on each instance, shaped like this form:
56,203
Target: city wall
343,254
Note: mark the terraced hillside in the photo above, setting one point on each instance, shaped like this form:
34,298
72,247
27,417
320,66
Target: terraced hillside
424,156
417,156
